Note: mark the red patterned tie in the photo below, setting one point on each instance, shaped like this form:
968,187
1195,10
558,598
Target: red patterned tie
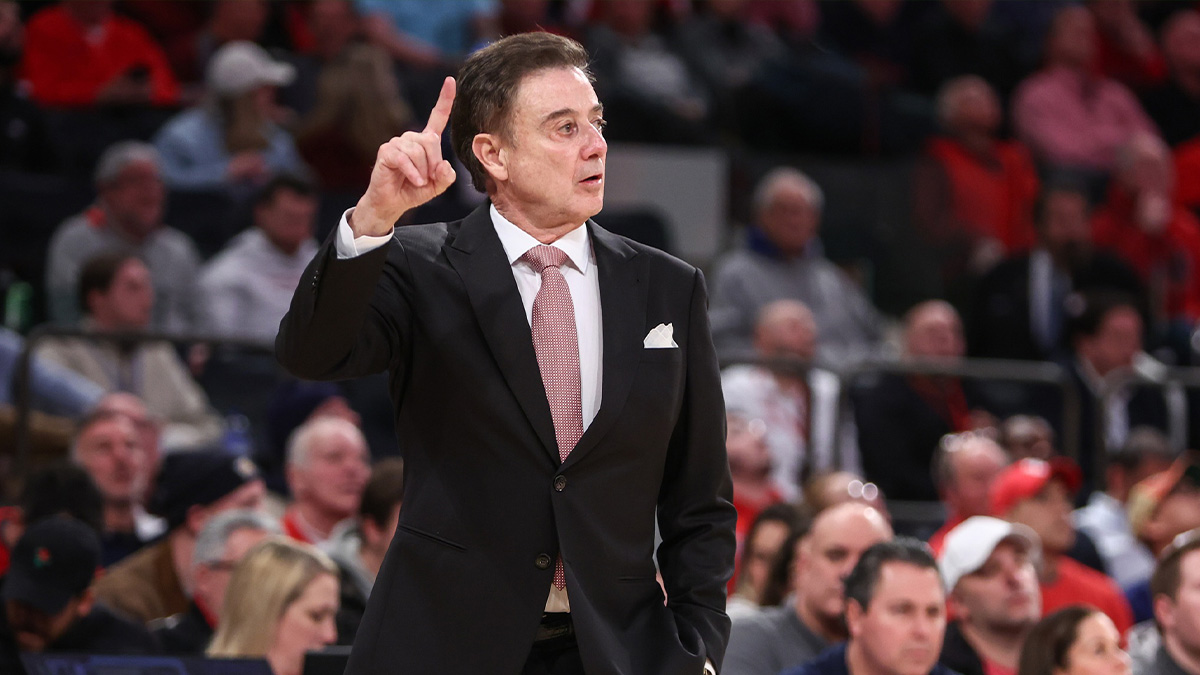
557,347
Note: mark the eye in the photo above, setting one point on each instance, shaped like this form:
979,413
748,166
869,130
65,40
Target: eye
567,127
601,124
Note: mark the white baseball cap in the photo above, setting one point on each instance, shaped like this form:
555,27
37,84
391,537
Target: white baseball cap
968,546
240,66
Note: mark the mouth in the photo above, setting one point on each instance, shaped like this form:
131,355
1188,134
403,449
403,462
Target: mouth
593,180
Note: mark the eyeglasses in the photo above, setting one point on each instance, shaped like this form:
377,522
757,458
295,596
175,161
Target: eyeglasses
860,490
221,565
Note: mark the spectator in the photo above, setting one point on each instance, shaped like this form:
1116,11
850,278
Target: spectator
1175,105
783,261
148,427
291,405
56,490
224,541
895,616
964,466
359,550
228,21
1175,583
328,467
358,107
792,634
1038,495
988,566
1104,519
797,401
1126,50
108,447
1027,437
192,488
280,603
1141,223
965,39
79,53
115,293
754,489
902,418
974,192
429,33
1067,115
230,142
1161,508
52,389
49,606
25,140
1019,309
335,25
759,554
1076,640
830,489
127,216
247,288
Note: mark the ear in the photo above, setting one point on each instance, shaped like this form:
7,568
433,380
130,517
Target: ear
490,150
1164,612
957,608
854,618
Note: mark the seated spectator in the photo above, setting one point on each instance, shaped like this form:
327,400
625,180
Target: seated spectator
901,419
80,53
974,192
796,401
1175,580
115,294
247,288
782,637
1019,309
1161,508
827,490
429,33
1105,520
1038,495
964,466
359,550
754,489
192,488
335,25
25,142
224,541
1141,223
53,390
280,603
783,261
759,553
1069,116
149,429
988,566
108,447
126,217
357,108
965,39
895,616
1175,104
228,21
1076,640
229,141
328,466
56,490
1027,437
49,606
292,404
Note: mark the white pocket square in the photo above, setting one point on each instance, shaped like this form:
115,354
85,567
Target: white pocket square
661,337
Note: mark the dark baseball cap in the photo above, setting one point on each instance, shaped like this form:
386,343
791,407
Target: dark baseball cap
53,562
197,478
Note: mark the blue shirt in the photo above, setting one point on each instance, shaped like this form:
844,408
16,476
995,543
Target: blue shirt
443,24
192,148
832,661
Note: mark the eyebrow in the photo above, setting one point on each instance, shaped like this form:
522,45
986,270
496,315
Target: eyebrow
598,108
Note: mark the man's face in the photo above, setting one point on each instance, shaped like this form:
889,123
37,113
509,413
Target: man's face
1180,616
746,446
1003,595
789,219
552,171
333,25
900,632
129,300
828,554
790,334
34,630
148,429
975,467
935,332
110,452
1064,227
1048,513
1073,38
288,219
135,198
211,579
335,474
1116,342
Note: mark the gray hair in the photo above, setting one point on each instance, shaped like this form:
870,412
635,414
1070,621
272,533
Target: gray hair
211,542
302,439
764,192
118,156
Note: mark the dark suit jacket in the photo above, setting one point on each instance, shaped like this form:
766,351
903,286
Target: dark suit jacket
487,504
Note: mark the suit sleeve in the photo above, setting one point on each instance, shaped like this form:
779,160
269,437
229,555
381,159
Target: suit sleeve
695,510
348,317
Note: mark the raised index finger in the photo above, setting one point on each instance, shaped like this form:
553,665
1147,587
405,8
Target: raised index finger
441,111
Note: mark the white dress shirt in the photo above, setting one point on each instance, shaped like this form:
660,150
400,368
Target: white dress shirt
584,283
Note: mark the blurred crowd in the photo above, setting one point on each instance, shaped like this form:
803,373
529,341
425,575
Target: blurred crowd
167,169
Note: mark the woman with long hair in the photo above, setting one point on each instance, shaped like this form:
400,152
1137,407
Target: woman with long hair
1075,640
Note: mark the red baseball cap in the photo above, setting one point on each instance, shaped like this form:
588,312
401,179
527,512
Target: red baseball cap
1024,479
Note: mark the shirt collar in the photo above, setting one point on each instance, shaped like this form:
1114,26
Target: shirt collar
516,242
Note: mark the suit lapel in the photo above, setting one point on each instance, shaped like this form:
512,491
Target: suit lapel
622,312
478,257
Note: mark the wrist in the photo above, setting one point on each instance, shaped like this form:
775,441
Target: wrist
365,220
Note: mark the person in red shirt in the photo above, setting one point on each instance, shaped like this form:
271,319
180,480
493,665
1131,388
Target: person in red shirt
328,466
964,467
79,53
750,468
1038,495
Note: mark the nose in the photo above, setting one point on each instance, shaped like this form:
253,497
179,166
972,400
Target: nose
595,145
328,632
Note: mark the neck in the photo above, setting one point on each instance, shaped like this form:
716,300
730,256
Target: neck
183,544
857,662
831,632
118,516
975,140
1002,647
281,665
319,520
288,249
546,233
1048,573
123,228
1187,661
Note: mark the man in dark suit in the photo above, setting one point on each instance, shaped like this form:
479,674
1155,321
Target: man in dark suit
556,391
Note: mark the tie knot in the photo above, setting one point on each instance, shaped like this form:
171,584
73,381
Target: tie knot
543,256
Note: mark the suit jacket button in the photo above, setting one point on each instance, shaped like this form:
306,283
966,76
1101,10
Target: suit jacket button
560,483
543,562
